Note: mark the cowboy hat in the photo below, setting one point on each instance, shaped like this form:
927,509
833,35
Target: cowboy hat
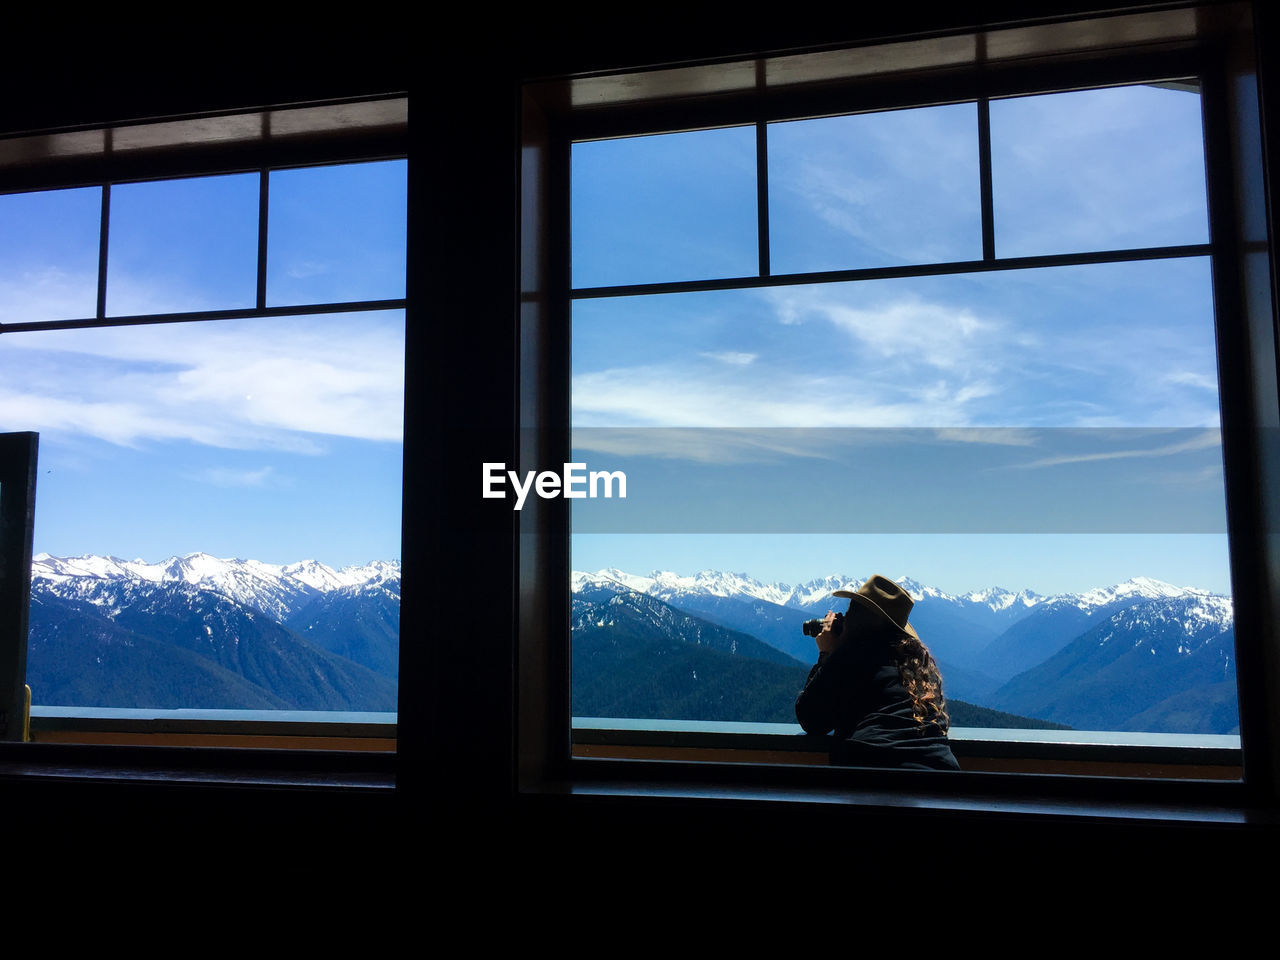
881,595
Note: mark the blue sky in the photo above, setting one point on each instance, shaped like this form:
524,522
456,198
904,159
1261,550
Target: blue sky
280,439
1018,407
276,439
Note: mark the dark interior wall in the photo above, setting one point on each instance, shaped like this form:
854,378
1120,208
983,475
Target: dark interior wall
458,686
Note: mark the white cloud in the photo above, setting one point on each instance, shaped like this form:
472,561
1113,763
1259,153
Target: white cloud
271,383
716,445
678,395
937,335
905,327
47,294
731,357
1126,167
769,444
1001,436
1201,441
224,477
305,269
1189,378
905,362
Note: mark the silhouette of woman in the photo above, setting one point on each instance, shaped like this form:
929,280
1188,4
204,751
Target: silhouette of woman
876,685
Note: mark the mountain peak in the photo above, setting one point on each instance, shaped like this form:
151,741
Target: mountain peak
263,586
668,585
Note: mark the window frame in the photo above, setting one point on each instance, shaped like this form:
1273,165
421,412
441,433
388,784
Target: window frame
555,113
335,132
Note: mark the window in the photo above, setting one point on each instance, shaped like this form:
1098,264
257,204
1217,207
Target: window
931,230
1023,414
215,365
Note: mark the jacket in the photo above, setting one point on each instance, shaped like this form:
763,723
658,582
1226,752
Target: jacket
857,691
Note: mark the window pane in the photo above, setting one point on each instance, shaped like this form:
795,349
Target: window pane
337,233
1035,454
875,190
49,255
679,206
183,245
219,512
1098,170
1109,345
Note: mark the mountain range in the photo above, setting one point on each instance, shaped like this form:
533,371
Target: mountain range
1070,659
198,631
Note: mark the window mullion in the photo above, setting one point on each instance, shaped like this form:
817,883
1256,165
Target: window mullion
984,176
17,520
263,188
102,251
762,195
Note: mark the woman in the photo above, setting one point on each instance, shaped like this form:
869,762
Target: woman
876,685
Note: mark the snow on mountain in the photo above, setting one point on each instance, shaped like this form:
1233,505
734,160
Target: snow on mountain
1132,591
994,609
1196,619
667,585
816,593
611,578
803,596
276,590
998,599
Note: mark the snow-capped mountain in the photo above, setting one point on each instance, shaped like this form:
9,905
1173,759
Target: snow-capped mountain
666,585
199,631
984,637
1139,655
279,591
812,595
1163,665
1129,592
1058,620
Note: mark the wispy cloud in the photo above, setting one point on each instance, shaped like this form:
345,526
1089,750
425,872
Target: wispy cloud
674,395
875,188
730,445
1188,378
900,326
720,446
248,384
1001,436
903,362
224,477
47,294
1126,165
731,357
1204,440
304,269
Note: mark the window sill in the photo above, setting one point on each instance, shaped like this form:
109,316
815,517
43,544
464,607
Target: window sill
1128,755
347,771
1058,777
244,729
928,797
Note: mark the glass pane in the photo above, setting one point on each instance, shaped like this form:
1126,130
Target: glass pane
875,190
1098,170
49,255
1035,455
183,245
337,233
1108,345
218,524
678,206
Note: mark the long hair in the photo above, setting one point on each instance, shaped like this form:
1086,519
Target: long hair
922,681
